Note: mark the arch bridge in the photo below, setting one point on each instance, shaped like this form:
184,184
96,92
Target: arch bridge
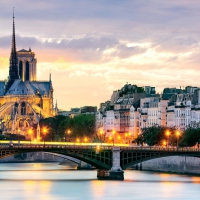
109,160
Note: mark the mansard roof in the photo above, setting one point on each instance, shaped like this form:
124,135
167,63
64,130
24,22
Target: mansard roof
29,88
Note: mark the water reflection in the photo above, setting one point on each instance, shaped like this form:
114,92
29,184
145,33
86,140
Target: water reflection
52,181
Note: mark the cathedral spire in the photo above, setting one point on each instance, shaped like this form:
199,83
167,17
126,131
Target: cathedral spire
13,70
50,76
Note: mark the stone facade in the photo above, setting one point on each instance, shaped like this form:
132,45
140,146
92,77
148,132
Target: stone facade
23,99
131,109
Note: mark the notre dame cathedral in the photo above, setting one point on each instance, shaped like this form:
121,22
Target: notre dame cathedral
23,99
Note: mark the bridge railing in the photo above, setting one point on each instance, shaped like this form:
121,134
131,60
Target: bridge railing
168,149
100,147
44,146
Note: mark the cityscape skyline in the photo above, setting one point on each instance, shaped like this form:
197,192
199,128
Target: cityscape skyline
91,51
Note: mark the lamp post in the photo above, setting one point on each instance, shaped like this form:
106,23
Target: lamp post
101,136
30,134
119,138
126,137
167,134
77,140
113,132
177,137
101,133
129,138
68,133
44,134
164,143
110,138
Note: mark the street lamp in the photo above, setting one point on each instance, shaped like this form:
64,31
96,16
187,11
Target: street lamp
167,134
44,133
164,143
68,132
30,134
111,139
126,137
177,136
129,137
77,140
101,136
119,138
113,132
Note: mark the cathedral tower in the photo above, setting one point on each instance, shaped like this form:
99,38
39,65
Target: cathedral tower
27,65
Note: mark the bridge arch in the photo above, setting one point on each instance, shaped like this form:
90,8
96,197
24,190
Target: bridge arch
129,159
102,160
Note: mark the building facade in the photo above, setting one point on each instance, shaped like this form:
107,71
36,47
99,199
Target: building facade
23,99
133,111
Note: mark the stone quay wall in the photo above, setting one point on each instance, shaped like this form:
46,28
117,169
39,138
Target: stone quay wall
174,164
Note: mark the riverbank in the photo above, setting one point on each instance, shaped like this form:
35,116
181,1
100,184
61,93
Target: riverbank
173,164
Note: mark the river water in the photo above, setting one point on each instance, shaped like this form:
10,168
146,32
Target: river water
52,181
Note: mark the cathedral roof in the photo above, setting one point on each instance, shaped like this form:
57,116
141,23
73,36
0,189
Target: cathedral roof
29,88
23,50
2,85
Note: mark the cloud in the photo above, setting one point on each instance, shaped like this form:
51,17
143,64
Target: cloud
4,63
94,47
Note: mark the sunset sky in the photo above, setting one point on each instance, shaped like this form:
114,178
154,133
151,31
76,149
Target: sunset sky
95,47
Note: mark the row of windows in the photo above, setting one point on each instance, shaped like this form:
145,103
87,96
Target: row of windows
27,74
152,112
179,113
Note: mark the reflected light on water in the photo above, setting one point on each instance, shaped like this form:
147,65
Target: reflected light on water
37,187
98,188
51,181
195,179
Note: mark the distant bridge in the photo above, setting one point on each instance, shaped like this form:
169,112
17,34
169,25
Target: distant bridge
109,160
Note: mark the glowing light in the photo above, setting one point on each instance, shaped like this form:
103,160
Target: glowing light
177,133
167,133
36,142
44,130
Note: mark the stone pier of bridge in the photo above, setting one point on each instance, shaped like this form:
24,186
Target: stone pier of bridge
116,172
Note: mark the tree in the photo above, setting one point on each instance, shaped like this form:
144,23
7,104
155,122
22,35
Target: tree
156,135
191,136
79,126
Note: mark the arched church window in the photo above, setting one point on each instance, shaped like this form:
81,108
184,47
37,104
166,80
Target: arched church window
27,71
23,108
26,124
20,69
16,107
20,123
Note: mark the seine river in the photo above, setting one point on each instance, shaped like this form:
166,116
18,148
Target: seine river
52,181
